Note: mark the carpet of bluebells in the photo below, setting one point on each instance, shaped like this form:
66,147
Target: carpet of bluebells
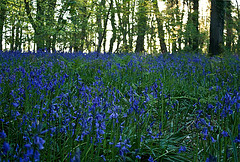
125,107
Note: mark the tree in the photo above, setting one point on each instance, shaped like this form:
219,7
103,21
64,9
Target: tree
195,22
114,30
238,27
192,27
79,16
102,31
141,25
216,27
229,26
160,27
44,23
3,10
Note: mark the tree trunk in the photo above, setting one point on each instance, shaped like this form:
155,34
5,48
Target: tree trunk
50,22
20,38
102,32
17,35
141,26
216,27
125,23
131,26
84,26
160,27
1,33
114,30
180,24
39,31
229,25
12,37
39,25
196,25
2,19
188,32
238,28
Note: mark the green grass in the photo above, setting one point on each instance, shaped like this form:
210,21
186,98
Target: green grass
119,107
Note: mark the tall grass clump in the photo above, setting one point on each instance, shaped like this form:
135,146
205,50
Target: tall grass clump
126,107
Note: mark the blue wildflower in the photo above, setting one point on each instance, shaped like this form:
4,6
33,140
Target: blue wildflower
213,140
224,133
77,156
138,157
237,139
39,141
205,133
211,159
37,156
5,148
3,134
123,147
150,159
182,149
102,156
15,104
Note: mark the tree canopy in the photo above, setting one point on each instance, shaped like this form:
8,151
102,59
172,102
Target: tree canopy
116,26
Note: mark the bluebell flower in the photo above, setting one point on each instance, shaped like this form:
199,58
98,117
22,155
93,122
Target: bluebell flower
5,147
138,157
224,133
28,145
104,159
205,133
77,156
113,115
39,141
150,159
123,146
182,149
3,134
15,104
211,159
213,140
237,139
37,156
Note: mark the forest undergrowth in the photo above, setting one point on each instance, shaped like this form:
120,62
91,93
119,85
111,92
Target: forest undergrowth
125,107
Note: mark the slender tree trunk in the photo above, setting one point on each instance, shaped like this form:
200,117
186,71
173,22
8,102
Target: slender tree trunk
51,4
141,26
120,26
188,32
114,30
132,31
1,34
195,22
180,24
39,31
12,37
160,27
2,20
99,24
238,28
17,35
129,45
216,27
20,38
38,24
125,23
229,25
102,34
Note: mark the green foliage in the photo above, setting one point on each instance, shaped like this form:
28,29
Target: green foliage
161,102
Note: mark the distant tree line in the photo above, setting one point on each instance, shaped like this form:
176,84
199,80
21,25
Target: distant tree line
119,26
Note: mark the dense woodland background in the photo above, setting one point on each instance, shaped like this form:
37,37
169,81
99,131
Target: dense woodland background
118,26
